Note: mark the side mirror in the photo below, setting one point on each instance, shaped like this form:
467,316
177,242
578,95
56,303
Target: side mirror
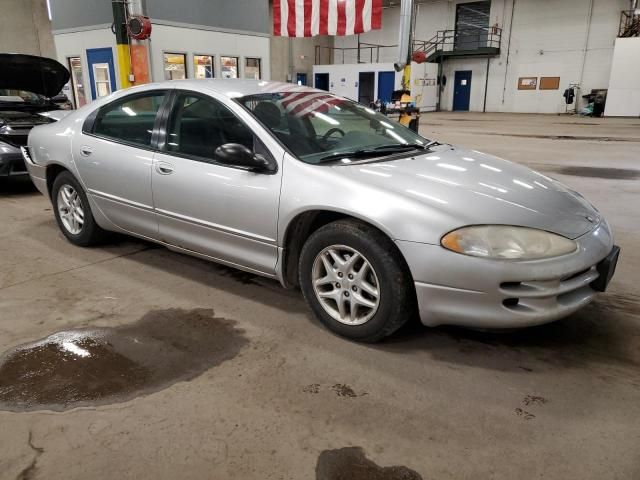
238,155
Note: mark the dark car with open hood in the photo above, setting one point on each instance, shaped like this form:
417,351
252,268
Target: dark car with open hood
27,83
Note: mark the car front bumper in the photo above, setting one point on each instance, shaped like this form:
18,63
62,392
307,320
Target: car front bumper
12,164
457,289
38,173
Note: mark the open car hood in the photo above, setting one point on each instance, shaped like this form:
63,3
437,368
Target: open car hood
34,74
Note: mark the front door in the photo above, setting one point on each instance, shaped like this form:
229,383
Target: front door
301,78
462,90
207,207
114,156
102,74
386,82
77,82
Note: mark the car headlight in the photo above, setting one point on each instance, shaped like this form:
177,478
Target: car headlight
507,243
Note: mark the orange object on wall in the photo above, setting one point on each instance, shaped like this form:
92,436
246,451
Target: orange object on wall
140,64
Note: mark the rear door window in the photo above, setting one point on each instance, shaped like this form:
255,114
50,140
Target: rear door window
130,119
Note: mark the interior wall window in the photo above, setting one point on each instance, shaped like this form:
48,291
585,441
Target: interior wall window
252,68
472,25
203,66
199,125
130,119
102,79
77,82
175,66
229,67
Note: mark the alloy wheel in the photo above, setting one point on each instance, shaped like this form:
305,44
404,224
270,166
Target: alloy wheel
345,284
70,209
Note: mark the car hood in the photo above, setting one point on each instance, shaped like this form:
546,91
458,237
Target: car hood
474,188
34,74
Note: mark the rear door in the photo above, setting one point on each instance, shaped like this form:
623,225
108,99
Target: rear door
114,157
224,212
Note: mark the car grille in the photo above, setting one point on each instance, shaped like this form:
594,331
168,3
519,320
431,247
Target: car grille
538,295
17,140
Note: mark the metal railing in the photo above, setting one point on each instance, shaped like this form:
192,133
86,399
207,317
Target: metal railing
364,51
468,40
629,24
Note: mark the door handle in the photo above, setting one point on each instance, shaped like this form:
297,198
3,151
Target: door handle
164,168
85,151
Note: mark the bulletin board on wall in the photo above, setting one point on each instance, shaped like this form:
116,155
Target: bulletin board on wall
549,83
527,83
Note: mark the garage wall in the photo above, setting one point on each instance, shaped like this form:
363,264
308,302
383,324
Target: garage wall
25,28
548,38
76,44
343,80
196,41
71,14
623,99
242,15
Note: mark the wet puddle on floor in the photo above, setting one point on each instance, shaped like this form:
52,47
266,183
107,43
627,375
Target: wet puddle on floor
350,463
99,366
588,172
597,172
561,137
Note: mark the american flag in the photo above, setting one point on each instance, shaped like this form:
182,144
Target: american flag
308,18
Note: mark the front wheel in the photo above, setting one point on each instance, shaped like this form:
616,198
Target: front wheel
73,213
355,281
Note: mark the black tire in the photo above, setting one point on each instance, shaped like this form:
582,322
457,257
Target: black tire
396,290
91,233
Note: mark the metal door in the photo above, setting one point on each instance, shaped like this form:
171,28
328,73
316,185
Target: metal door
386,82
462,90
322,81
102,74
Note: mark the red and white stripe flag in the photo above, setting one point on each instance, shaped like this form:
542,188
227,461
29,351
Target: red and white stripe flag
308,18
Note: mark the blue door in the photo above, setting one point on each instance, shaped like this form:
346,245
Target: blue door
386,82
301,78
462,91
322,81
102,75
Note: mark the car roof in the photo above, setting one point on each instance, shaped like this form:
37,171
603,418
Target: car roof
234,87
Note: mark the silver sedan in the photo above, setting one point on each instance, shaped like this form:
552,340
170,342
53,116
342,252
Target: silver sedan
372,221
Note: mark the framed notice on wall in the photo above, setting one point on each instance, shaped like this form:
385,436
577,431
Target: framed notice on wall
527,83
549,83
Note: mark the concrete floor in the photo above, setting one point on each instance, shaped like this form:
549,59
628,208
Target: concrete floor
559,401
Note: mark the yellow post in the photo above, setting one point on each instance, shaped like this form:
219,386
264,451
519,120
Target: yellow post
124,64
122,43
405,116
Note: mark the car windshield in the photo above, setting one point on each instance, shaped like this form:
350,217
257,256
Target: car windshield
21,97
321,127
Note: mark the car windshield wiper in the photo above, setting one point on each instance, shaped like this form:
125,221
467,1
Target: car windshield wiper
400,146
380,150
361,153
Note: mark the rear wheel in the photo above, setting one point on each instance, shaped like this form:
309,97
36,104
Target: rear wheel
355,281
73,213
